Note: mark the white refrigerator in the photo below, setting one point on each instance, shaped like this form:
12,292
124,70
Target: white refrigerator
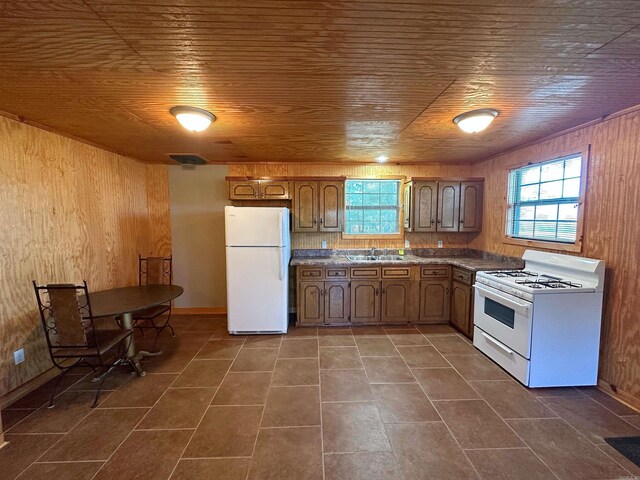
258,253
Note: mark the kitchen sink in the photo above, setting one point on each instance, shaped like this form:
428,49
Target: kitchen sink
374,258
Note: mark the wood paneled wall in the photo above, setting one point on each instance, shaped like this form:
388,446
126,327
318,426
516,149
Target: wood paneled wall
335,240
69,211
611,230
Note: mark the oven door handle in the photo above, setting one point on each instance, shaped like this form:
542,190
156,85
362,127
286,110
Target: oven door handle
496,343
484,292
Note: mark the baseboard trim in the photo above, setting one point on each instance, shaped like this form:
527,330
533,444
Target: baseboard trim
200,311
28,387
623,397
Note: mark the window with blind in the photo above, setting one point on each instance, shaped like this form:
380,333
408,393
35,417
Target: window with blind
544,200
372,207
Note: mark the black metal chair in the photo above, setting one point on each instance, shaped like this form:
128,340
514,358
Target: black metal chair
72,338
154,271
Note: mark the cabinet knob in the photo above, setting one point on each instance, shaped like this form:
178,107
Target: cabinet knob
432,221
314,220
320,219
461,222
377,292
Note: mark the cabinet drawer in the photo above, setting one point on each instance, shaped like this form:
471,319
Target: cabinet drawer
463,276
310,273
365,272
396,272
336,273
435,271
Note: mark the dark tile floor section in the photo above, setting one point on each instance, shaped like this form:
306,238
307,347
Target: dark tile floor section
368,403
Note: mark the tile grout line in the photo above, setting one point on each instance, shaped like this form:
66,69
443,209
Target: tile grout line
243,340
438,413
384,428
151,408
264,408
320,407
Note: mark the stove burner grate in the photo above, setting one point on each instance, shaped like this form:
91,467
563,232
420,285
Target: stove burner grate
548,284
512,273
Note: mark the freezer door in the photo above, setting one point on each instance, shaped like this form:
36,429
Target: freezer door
257,289
256,226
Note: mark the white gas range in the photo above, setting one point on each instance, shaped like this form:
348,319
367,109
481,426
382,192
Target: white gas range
542,324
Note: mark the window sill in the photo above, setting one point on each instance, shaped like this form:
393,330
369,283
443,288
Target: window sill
564,247
376,236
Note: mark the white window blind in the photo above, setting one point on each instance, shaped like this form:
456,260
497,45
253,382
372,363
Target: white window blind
543,200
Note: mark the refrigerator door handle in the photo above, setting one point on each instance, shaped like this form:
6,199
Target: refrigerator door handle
280,227
281,262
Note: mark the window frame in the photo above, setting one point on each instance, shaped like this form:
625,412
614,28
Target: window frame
376,236
576,246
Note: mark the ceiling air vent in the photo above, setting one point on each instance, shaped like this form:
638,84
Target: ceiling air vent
188,159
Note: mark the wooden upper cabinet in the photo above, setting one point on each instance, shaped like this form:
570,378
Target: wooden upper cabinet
425,199
448,206
331,210
305,206
274,190
244,190
471,194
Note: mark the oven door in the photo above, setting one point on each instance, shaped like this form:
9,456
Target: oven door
505,317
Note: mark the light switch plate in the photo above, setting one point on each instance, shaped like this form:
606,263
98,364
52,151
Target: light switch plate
407,244
18,356
324,244
440,244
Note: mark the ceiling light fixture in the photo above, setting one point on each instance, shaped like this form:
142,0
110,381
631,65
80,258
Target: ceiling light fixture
476,120
381,158
193,118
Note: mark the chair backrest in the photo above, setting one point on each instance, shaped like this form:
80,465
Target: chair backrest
65,312
155,270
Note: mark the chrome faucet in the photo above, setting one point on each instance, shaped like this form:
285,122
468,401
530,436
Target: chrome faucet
373,251
384,252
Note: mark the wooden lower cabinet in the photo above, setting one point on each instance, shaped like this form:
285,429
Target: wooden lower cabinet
396,301
461,301
323,302
365,301
337,304
310,302
434,301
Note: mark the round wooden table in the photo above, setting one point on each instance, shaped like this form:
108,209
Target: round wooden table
124,302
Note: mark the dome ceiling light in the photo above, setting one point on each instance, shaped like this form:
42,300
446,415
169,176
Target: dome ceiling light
476,120
381,158
193,119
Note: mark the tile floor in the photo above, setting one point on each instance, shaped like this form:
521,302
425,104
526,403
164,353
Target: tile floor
366,403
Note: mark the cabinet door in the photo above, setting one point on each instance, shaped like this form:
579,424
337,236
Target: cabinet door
396,301
448,206
461,307
331,206
471,206
365,301
274,190
305,207
434,301
407,207
244,190
311,302
336,302
424,209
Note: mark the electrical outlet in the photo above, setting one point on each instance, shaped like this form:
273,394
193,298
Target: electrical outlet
440,244
18,356
324,244
407,244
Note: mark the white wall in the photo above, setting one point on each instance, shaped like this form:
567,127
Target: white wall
198,196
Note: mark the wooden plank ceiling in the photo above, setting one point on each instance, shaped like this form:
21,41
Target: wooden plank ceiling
317,81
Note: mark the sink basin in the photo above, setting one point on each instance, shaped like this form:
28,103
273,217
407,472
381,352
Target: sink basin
373,258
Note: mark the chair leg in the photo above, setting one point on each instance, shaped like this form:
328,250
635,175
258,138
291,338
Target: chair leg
99,389
55,387
160,329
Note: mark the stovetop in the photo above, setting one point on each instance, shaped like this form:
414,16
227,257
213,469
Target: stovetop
531,282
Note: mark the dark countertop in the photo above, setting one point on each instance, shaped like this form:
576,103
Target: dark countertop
472,263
